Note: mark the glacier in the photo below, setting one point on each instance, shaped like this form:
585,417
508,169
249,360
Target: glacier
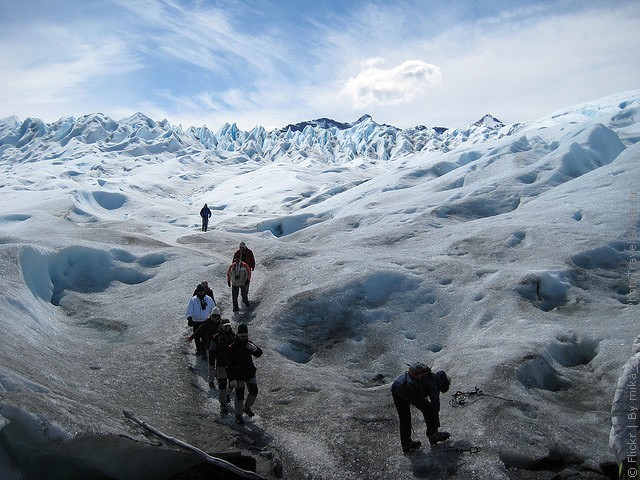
502,254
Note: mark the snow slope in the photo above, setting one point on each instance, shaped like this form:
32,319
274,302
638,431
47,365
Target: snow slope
503,254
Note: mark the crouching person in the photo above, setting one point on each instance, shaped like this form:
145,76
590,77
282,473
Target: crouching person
242,371
419,387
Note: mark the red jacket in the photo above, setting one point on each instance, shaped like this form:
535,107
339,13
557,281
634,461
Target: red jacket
247,257
241,278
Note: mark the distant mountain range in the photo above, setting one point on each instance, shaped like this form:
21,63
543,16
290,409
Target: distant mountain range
323,139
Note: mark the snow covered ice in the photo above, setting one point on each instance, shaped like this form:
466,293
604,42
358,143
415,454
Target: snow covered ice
502,254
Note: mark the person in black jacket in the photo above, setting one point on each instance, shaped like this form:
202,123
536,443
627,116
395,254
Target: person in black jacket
419,387
207,290
219,362
205,213
241,371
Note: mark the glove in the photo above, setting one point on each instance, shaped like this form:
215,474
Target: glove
228,284
190,321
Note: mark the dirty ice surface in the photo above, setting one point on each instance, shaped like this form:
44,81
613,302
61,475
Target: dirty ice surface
504,255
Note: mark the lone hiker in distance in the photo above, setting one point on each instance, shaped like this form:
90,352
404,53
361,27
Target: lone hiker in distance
205,213
420,387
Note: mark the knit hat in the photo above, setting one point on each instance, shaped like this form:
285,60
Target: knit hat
215,311
242,328
225,321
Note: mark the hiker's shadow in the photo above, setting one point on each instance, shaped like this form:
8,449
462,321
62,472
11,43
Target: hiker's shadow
439,462
200,368
246,314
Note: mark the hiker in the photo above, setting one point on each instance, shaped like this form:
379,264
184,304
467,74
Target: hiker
198,310
205,213
238,278
206,330
420,387
207,290
625,417
219,361
241,371
246,255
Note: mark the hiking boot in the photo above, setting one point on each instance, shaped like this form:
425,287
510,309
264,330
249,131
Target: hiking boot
239,420
235,309
439,437
224,410
249,412
412,446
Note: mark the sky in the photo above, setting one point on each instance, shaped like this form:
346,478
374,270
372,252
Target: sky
272,63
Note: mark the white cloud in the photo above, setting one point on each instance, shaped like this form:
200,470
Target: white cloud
517,63
520,70
375,85
59,71
210,36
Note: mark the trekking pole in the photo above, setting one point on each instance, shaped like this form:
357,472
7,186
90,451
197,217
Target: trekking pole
461,398
473,449
207,458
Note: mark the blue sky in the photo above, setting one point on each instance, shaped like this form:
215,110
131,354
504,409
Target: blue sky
271,63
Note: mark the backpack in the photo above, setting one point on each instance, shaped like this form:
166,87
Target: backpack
238,274
411,387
